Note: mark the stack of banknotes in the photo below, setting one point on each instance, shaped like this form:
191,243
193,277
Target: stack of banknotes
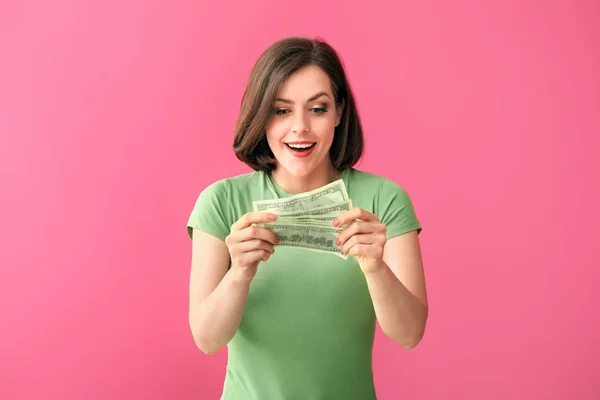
304,220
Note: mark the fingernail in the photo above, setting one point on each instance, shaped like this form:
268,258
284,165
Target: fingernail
272,217
337,242
336,222
276,240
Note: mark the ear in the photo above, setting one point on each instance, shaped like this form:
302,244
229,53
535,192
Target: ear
339,111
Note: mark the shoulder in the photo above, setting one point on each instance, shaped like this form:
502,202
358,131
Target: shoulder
244,182
224,188
218,205
387,199
374,183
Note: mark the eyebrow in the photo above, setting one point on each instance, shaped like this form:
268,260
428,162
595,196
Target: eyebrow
316,96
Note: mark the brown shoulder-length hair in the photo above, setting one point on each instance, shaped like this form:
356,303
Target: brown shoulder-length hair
273,67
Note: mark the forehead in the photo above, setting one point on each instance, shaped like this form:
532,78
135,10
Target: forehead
305,83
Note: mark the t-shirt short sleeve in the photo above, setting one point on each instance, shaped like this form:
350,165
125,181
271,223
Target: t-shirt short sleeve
396,210
209,214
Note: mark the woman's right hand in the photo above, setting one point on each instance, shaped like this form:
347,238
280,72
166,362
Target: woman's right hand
249,245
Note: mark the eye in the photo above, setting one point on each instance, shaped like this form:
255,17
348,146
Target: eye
319,110
281,111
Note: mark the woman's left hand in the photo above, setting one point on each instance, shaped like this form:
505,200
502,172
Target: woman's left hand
364,238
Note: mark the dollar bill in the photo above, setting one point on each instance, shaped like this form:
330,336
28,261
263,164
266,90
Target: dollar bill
320,216
327,195
315,238
323,212
304,220
318,221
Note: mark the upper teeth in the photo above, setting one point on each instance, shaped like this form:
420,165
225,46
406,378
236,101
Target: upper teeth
300,146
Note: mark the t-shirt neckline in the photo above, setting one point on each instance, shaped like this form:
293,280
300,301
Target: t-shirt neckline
281,193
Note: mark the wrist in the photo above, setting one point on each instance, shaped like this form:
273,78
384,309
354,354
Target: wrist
376,269
241,275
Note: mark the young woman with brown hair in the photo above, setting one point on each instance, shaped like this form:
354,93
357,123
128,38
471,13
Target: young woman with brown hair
300,324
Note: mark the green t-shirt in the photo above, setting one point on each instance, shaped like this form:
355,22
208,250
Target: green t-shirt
308,325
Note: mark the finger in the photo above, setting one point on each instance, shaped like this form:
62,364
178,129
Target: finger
356,227
250,218
354,213
365,239
251,233
362,250
251,245
255,232
254,256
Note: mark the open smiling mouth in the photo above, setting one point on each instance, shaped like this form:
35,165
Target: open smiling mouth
300,147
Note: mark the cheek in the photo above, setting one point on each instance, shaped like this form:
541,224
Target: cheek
277,130
327,131
330,122
274,138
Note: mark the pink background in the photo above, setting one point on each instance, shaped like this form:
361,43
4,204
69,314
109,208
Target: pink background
115,115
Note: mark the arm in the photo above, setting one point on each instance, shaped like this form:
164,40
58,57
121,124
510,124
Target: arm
217,295
397,287
394,272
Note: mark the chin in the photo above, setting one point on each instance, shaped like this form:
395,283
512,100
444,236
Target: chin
302,167
299,171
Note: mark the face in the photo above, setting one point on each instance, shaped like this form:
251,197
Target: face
302,127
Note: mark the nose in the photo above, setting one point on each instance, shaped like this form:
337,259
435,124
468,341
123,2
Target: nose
300,124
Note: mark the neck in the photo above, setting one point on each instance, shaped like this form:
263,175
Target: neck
295,184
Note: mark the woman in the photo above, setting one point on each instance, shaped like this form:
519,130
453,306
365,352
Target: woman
300,324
